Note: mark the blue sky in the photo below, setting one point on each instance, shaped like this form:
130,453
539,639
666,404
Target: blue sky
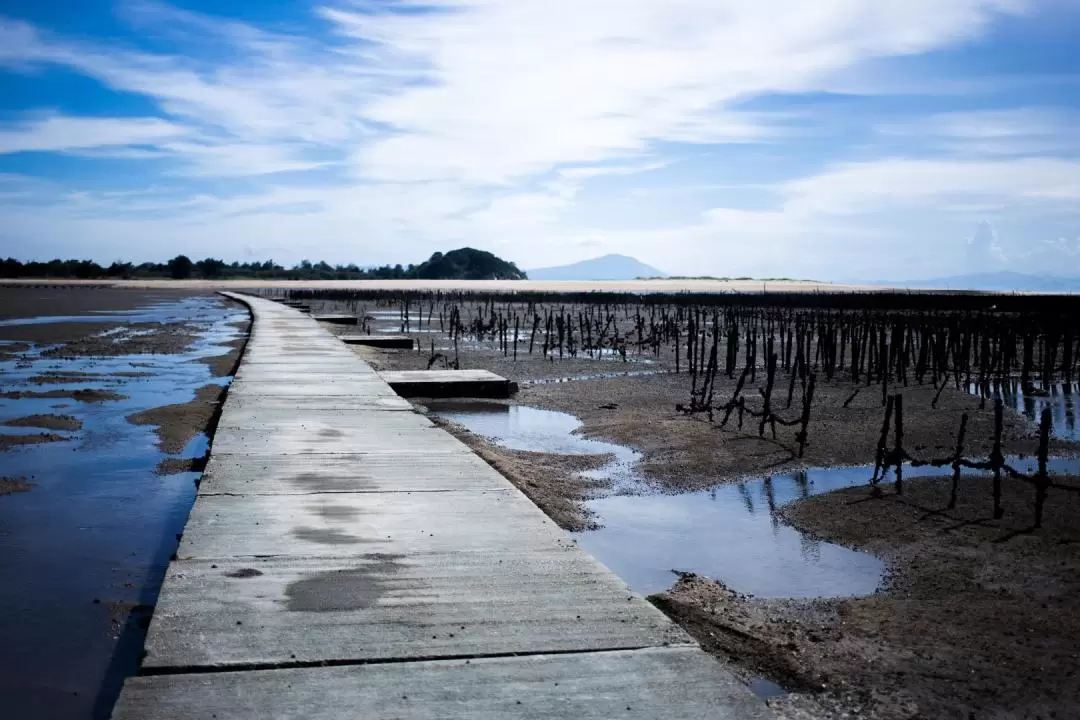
838,139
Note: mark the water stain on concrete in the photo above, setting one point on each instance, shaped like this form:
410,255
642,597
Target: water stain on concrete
327,537
244,573
323,482
331,433
336,512
357,588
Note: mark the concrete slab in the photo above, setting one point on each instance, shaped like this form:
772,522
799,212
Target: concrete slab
348,524
285,422
292,439
301,404
317,359
389,342
382,472
449,383
379,605
313,386
652,684
277,374
277,371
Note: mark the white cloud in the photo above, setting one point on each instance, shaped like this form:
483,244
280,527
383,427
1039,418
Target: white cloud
933,184
518,87
60,133
1013,131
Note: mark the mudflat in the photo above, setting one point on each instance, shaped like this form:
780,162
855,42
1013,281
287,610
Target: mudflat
976,616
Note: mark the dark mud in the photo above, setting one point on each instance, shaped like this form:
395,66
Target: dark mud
177,466
131,339
11,350
12,485
68,378
21,301
979,617
48,422
223,365
179,424
86,395
7,442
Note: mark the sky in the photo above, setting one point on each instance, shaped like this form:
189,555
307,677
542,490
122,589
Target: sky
833,140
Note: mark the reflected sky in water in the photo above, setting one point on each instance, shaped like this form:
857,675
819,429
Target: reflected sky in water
731,532
1061,398
94,535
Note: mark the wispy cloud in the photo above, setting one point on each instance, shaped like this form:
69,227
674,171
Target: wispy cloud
60,133
891,184
1012,131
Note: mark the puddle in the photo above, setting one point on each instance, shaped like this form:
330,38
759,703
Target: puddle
764,688
1061,398
731,532
519,427
98,523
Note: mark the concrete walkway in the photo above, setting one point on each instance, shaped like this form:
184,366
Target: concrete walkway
345,558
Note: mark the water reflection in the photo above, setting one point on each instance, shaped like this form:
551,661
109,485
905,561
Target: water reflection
1060,397
730,532
519,427
733,533
82,554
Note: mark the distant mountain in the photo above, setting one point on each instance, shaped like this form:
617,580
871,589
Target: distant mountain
1005,281
608,267
467,264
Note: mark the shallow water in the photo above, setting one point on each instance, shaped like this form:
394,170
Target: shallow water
98,525
519,427
168,312
730,533
1061,398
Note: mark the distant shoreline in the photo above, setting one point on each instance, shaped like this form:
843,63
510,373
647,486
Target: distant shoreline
659,285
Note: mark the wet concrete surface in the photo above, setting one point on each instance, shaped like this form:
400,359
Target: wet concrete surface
83,553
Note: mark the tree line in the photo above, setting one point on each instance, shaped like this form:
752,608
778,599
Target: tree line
462,264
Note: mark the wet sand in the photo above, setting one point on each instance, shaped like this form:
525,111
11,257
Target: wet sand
49,422
222,365
179,424
10,486
25,299
87,395
177,466
979,617
7,442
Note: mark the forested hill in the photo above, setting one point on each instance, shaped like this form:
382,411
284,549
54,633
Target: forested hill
468,264
461,264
